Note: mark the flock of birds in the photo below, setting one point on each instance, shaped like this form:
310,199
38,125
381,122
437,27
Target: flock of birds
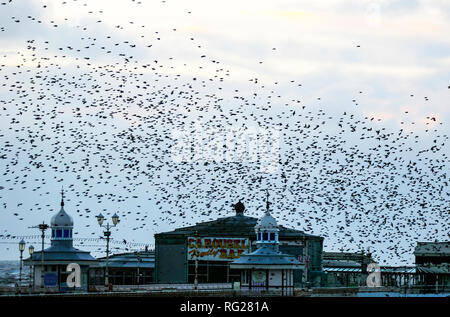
93,115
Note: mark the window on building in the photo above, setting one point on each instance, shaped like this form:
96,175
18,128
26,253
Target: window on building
234,276
58,233
272,236
53,233
244,277
202,271
265,236
66,233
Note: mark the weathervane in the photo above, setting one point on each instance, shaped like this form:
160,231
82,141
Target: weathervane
62,196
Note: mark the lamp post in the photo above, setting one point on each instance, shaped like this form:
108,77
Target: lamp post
196,263
31,251
138,255
21,249
107,234
43,226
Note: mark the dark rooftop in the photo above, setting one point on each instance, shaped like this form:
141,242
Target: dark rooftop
432,249
146,259
265,256
62,253
342,257
237,225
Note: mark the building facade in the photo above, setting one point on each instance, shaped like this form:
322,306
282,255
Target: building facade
54,271
131,268
433,265
267,270
346,269
221,241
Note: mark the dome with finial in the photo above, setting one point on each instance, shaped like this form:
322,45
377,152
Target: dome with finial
266,222
61,219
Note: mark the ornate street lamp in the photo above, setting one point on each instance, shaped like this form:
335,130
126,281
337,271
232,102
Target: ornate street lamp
107,234
43,226
196,263
115,219
31,251
21,249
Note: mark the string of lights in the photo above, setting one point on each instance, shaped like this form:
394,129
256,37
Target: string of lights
98,246
35,239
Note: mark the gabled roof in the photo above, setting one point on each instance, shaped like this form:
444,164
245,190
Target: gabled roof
341,264
433,270
237,225
432,249
130,260
348,256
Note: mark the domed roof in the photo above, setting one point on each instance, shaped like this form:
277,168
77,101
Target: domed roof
62,219
267,222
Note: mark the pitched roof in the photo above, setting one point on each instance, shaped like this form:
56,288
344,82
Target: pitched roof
348,256
433,270
341,263
432,249
130,260
266,257
237,225
62,253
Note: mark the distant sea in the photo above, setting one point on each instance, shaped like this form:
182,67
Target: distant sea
9,273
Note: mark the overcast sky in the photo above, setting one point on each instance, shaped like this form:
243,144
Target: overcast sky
384,62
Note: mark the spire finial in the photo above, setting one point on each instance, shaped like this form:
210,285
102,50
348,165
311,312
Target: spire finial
62,196
267,201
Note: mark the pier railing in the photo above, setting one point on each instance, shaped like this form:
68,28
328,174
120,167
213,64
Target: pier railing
174,287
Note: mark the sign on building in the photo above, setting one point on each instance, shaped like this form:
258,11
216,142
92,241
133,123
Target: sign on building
216,249
50,279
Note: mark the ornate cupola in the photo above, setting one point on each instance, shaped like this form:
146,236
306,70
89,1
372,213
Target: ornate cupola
62,227
266,268
267,229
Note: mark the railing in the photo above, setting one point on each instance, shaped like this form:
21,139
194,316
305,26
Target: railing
174,287
226,289
24,290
